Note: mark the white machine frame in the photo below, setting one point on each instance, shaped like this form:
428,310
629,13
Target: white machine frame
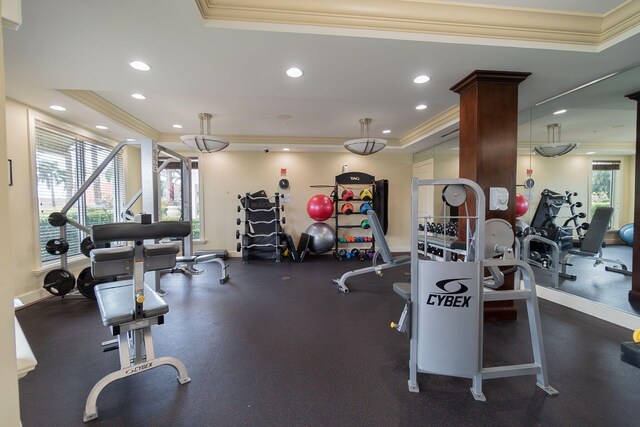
455,347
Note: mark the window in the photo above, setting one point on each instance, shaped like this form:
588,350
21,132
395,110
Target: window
170,188
64,161
604,187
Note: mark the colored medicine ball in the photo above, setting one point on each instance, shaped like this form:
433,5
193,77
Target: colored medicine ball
366,194
347,209
347,194
365,207
320,207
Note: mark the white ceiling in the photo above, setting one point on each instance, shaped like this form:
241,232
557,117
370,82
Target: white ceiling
238,75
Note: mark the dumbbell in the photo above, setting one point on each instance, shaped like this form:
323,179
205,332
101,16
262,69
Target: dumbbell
342,253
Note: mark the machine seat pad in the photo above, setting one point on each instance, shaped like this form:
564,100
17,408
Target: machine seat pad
119,253
160,249
403,289
115,300
402,259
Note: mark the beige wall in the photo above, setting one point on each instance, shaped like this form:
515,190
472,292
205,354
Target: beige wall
9,401
226,174
22,210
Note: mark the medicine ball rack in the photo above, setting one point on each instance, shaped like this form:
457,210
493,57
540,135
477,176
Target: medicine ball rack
348,188
262,226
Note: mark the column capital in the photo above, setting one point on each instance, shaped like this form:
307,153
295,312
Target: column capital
489,76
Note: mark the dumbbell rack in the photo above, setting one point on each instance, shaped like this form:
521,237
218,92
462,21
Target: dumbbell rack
270,228
355,181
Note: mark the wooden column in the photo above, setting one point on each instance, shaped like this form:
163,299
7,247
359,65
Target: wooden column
634,293
488,147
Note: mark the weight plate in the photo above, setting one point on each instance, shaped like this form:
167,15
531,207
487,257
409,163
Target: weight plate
57,246
86,246
57,219
86,282
454,194
59,282
497,232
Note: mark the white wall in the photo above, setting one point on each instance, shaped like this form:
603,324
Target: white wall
9,401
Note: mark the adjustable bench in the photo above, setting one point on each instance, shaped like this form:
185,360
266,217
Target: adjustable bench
591,245
129,308
383,250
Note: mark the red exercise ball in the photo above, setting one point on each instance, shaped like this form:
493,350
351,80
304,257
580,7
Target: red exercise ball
522,205
320,207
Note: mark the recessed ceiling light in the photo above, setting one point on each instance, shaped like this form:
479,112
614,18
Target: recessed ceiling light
386,131
101,127
138,96
421,79
421,107
591,152
57,107
560,112
130,140
294,72
177,126
140,66
286,149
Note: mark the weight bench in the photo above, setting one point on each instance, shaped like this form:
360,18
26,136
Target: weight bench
384,251
591,245
129,308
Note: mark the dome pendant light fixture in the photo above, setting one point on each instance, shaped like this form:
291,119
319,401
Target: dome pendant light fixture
365,145
206,143
554,148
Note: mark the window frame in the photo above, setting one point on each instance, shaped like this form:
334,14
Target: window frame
616,188
33,118
198,159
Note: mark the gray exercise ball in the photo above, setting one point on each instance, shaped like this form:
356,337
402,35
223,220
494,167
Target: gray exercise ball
322,237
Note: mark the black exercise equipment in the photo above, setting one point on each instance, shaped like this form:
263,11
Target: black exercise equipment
59,282
263,235
591,245
57,246
86,282
57,219
381,206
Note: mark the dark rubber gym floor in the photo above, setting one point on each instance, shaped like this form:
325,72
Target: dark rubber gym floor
276,346
595,283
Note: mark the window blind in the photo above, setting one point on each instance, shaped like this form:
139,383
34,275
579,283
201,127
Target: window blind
63,163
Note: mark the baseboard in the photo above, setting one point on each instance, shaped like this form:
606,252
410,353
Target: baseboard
32,297
597,310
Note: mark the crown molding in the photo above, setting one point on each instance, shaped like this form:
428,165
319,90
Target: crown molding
448,117
428,20
102,106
